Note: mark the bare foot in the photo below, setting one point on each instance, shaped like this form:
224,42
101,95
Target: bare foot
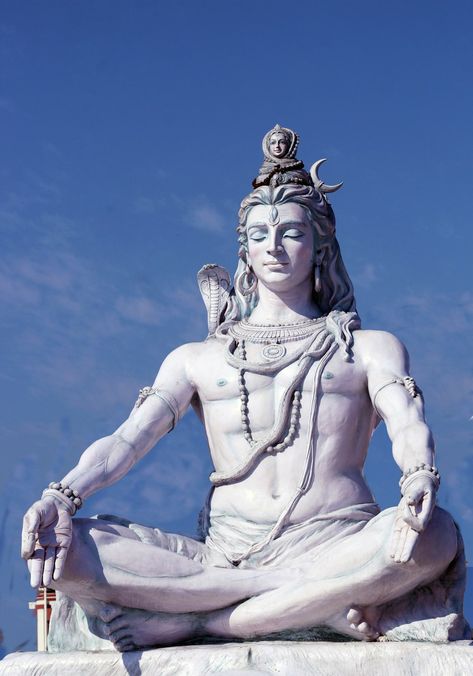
131,629
364,621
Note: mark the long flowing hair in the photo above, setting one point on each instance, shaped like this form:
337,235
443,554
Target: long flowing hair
336,291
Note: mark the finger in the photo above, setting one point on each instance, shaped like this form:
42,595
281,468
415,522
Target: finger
50,555
60,560
400,543
395,536
36,570
63,537
427,508
410,519
409,544
31,522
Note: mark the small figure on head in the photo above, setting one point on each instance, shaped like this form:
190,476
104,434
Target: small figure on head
280,162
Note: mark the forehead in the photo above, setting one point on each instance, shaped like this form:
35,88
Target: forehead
278,135
288,213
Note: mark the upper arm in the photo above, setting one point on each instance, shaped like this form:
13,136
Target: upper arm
174,376
157,415
387,363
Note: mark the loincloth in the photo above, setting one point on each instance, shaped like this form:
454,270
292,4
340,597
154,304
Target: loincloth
229,537
233,536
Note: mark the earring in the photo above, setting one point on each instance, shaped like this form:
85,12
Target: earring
245,286
318,283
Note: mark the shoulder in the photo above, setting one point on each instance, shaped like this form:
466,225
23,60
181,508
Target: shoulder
185,354
380,349
187,359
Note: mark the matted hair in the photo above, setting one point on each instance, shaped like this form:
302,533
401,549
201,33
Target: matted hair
336,288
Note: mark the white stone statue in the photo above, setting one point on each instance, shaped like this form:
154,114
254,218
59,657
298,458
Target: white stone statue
289,390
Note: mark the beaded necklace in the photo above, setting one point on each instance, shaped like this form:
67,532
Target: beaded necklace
245,420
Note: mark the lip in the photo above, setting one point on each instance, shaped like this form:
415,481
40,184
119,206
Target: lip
274,264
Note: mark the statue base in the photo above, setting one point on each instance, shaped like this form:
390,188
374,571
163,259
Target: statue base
264,657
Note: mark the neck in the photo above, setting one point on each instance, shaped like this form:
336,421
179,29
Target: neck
285,307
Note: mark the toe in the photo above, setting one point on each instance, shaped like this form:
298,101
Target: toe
109,612
117,623
119,635
354,616
368,631
128,648
125,645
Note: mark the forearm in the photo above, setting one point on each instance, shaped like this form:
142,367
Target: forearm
108,459
101,464
413,445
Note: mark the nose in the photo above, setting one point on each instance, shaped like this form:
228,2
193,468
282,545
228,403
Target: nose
273,247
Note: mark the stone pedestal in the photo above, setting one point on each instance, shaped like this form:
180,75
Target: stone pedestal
271,657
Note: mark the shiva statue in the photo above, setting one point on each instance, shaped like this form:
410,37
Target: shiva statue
289,389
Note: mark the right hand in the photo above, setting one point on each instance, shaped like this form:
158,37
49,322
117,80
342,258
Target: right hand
413,514
46,537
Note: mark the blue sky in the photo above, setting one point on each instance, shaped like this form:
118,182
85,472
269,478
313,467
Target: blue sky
131,131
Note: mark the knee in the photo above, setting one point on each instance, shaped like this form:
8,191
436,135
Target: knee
243,624
94,531
438,544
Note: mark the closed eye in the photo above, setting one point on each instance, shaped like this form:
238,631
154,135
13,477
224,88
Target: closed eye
293,233
258,235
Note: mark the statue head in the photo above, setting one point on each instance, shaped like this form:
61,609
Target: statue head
335,290
280,143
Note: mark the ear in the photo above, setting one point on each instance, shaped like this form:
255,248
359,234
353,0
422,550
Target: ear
319,257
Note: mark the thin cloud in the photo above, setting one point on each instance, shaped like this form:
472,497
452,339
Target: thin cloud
366,276
205,216
140,309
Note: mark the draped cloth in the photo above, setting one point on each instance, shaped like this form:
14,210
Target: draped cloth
233,536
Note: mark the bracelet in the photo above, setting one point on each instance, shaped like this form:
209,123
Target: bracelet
419,470
66,495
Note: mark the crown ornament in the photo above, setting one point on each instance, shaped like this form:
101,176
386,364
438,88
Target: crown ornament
282,166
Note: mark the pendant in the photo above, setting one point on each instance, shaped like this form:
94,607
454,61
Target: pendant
273,352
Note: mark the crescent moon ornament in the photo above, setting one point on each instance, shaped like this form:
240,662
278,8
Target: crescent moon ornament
318,184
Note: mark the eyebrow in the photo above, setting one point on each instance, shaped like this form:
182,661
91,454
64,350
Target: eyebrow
264,224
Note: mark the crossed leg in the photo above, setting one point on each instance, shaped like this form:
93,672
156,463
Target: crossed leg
150,596
346,588
107,562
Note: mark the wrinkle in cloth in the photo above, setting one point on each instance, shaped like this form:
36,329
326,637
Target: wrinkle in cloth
228,537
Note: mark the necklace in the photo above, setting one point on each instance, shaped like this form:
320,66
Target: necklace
268,333
272,335
245,419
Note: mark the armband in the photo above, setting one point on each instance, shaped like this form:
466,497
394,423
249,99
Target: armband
165,396
407,381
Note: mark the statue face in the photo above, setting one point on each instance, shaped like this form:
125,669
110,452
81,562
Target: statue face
280,255
278,144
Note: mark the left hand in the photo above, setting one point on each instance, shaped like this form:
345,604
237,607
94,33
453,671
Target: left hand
413,514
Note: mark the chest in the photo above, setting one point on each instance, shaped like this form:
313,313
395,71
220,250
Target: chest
218,381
